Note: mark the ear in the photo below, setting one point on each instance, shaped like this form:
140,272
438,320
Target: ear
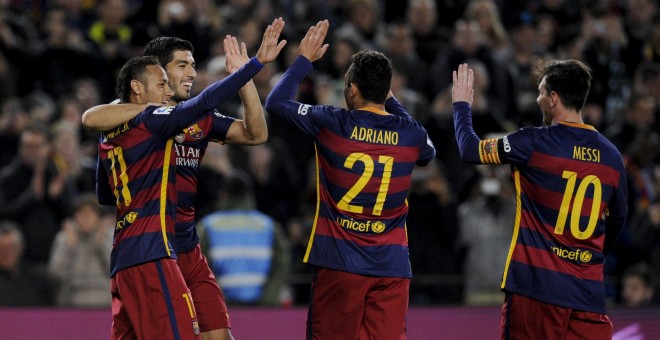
136,87
353,89
554,99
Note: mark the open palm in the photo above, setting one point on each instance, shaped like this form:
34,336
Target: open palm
236,55
270,48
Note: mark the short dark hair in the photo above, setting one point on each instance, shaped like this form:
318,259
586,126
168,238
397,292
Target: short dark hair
135,68
87,199
11,227
38,129
164,47
372,72
571,79
642,270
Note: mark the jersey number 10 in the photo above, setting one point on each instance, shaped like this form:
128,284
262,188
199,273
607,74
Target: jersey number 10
578,201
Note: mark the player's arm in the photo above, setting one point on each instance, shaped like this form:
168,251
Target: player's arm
107,116
252,130
280,100
616,213
427,149
473,150
393,106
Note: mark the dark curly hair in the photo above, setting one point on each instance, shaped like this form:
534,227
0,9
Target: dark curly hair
571,79
372,72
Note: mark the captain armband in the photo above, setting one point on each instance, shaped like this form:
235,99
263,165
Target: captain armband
490,150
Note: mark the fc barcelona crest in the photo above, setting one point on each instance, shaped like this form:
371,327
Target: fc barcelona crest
194,132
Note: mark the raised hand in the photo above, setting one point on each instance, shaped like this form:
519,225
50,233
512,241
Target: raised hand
312,47
236,55
270,48
462,89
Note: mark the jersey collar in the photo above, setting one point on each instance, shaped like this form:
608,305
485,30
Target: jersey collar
578,125
374,110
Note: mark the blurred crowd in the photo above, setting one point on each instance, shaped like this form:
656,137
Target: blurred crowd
60,57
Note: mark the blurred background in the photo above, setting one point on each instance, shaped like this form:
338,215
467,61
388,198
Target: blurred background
60,57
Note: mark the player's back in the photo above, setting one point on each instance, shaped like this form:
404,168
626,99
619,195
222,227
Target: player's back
365,160
371,156
568,177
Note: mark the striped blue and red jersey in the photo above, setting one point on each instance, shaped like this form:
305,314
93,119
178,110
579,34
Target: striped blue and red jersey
136,171
571,206
190,146
364,161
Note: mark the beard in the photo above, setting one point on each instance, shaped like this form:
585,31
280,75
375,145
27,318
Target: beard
179,97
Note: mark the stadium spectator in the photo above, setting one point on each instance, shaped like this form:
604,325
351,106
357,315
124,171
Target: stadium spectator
422,15
66,57
20,44
77,168
468,43
177,18
638,118
604,39
358,250
80,260
487,15
214,168
553,272
414,101
640,21
248,250
362,23
110,37
14,119
271,168
34,194
433,236
20,283
647,231
399,45
638,286
522,108
485,233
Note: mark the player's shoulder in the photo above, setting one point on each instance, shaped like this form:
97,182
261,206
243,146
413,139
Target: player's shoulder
160,110
216,115
306,109
530,132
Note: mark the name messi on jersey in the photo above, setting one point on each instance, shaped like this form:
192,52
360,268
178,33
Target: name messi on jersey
370,135
586,154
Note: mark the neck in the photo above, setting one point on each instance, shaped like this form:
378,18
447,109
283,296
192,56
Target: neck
570,116
380,107
361,104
